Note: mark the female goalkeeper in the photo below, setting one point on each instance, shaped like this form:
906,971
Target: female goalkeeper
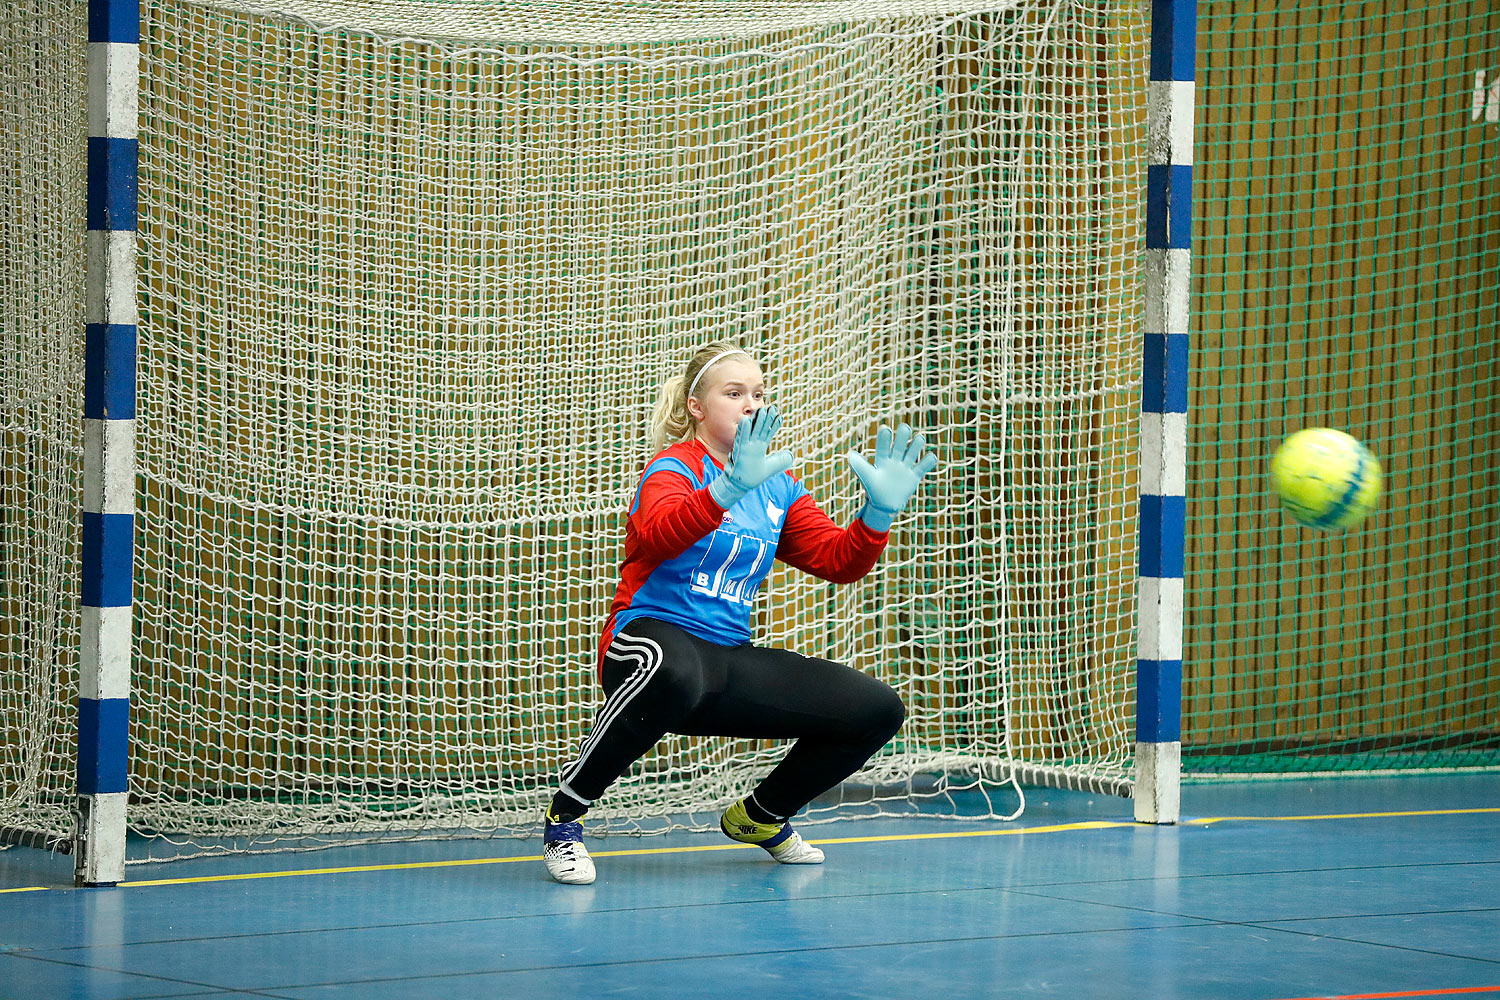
713,508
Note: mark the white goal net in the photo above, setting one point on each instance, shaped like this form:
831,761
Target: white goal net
410,278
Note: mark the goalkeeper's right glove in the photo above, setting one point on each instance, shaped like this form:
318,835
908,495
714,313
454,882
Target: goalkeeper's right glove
749,465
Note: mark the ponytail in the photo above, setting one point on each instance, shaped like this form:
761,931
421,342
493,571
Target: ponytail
671,423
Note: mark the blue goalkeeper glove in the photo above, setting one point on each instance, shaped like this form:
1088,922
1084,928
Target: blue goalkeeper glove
900,465
749,465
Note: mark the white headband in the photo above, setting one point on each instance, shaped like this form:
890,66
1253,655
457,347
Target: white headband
717,357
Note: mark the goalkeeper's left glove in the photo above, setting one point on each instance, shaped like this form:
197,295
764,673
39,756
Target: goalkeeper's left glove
899,467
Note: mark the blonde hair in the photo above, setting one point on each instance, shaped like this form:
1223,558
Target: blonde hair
671,423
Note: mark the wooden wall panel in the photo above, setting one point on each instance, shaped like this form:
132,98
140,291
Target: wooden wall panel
1347,261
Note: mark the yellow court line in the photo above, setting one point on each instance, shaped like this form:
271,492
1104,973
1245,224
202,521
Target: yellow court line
1375,815
454,863
1010,831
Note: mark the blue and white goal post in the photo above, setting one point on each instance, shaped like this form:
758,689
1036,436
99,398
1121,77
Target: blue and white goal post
109,441
1163,504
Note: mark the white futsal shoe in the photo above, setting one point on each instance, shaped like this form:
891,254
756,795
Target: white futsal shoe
779,839
567,859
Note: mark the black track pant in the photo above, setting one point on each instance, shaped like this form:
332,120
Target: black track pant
661,680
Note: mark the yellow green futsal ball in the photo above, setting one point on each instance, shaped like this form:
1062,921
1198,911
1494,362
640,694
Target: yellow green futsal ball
1325,478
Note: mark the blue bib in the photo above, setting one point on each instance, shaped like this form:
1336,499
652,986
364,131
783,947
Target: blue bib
710,589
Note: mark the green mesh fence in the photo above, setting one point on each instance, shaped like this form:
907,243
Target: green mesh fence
1347,266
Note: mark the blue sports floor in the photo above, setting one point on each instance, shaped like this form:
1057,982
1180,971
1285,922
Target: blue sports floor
1292,889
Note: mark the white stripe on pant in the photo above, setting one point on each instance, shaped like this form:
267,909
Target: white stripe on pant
647,654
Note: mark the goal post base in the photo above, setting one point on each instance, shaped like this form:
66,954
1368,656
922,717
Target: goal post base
1158,783
99,844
